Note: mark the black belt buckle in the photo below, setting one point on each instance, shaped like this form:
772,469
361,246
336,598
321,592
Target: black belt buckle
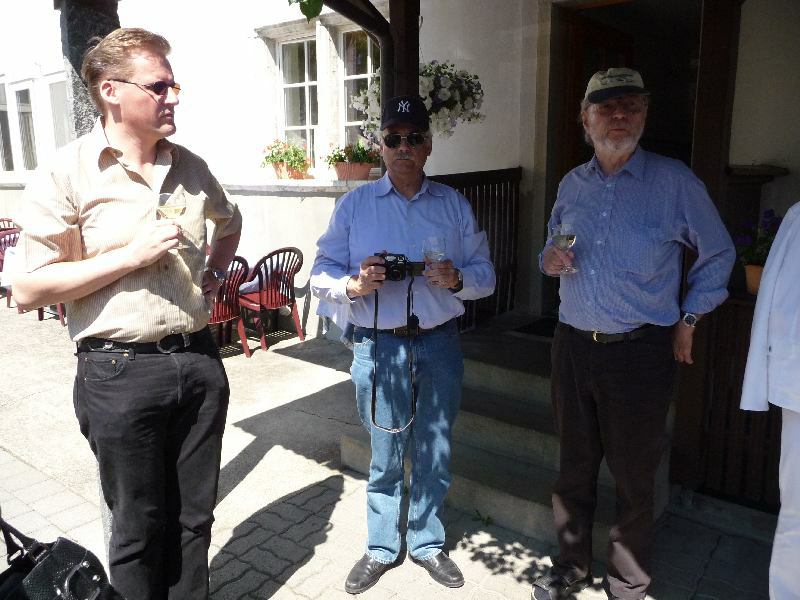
177,341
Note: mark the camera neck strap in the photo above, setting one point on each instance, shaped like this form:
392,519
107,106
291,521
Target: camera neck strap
412,327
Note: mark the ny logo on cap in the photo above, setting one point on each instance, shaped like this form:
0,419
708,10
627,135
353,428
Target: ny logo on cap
404,106
616,78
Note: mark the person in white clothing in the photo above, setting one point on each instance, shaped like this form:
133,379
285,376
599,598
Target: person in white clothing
772,376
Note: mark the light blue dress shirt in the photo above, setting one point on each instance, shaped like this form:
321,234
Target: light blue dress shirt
374,218
631,228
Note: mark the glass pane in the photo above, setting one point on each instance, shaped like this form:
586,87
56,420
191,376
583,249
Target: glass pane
294,62
352,87
312,61
58,104
376,55
312,100
313,154
6,162
353,134
26,129
355,53
296,136
295,105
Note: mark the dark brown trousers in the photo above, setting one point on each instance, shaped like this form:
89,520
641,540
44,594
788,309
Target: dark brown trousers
610,400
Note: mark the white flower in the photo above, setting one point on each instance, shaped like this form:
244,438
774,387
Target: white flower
444,94
468,103
428,102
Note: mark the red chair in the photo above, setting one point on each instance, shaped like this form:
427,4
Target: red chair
8,239
6,223
275,276
226,304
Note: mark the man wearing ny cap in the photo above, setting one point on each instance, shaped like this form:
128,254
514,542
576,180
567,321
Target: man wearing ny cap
150,392
622,327
407,363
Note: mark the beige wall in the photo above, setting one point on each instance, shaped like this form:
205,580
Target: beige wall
765,127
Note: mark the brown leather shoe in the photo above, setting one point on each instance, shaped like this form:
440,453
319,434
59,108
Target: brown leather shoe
443,570
364,574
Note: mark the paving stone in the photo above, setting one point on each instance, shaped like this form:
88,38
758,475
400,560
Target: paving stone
231,571
241,544
323,502
39,489
289,513
288,549
266,561
304,531
271,521
75,516
235,589
55,503
13,508
21,482
30,522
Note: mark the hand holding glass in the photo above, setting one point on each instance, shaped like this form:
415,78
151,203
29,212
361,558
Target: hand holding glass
563,237
170,207
433,248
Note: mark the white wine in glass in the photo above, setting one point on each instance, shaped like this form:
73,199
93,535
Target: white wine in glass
171,207
433,248
564,237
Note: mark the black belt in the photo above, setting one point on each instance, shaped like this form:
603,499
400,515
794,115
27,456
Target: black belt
610,338
405,331
176,342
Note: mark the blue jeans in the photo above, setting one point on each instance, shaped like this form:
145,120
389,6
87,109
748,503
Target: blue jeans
438,372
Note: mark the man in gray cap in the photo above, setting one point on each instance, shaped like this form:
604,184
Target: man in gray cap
407,362
625,218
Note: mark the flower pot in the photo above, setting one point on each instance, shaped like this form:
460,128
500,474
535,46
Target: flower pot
345,170
752,277
284,171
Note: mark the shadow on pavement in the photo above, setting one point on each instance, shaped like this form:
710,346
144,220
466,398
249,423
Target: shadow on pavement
268,547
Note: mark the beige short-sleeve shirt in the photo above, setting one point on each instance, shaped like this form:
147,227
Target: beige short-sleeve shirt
88,203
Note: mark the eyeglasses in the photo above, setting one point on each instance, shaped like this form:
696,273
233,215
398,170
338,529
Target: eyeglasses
629,106
393,140
159,88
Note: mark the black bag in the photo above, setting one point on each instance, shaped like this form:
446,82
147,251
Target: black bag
62,570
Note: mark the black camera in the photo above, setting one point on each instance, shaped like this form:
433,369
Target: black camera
398,267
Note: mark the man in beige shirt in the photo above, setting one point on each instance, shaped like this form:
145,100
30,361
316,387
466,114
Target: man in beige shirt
151,393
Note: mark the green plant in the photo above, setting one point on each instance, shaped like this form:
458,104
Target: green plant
755,240
281,151
353,153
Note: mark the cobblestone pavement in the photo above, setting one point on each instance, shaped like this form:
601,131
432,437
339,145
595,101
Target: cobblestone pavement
290,522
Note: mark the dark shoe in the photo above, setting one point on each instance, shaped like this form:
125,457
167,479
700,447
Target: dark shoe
554,586
364,574
442,569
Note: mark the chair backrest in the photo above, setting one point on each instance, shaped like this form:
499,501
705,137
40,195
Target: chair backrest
275,274
8,238
6,223
226,304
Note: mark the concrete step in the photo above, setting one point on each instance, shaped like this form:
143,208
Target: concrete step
513,494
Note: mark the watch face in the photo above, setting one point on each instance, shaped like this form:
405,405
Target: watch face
690,319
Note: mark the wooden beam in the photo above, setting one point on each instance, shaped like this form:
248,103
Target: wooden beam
404,17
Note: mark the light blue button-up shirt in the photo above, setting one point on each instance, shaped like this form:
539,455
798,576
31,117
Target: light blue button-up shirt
631,228
375,217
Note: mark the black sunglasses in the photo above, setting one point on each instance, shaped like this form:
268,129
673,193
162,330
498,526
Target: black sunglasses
393,140
159,88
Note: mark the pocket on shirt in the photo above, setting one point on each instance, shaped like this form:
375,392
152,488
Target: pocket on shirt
640,251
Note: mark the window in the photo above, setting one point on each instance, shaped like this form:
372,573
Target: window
362,59
26,134
299,69
62,133
6,162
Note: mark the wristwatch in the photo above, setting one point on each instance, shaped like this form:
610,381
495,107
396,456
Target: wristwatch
690,319
218,274
458,286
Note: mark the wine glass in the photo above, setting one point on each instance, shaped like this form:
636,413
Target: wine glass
433,248
563,237
172,207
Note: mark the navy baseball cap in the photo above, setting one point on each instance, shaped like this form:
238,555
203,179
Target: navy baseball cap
406,110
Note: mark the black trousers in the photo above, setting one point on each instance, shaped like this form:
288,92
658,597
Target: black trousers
610,400
155,424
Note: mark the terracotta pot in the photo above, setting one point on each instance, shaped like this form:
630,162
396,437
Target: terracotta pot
283,171
346,170
752,277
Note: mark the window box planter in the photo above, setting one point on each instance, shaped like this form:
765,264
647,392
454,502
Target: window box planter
353,170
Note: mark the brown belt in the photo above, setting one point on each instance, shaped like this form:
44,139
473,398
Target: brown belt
404,331
611,338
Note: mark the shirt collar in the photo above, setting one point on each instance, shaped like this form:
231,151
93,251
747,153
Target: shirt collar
384,187
99,143
634,165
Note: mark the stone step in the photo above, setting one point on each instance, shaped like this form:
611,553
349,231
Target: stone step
513,494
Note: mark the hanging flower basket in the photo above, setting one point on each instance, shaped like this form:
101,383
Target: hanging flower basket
452,96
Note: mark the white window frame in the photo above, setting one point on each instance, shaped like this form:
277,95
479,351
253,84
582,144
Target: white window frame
309,128
371,70
11,113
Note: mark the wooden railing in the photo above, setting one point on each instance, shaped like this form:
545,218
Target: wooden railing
494,196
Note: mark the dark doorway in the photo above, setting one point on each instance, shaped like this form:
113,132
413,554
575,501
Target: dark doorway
659,39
